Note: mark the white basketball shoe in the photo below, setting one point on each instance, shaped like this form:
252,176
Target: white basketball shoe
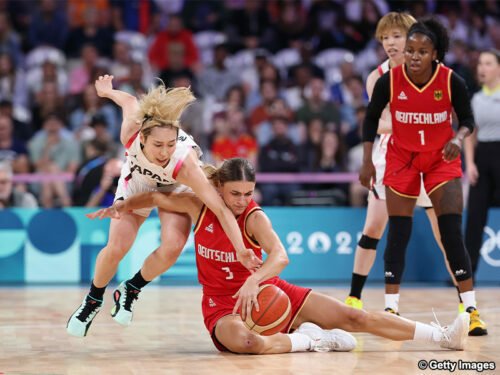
124,297
79,323
454,335
327,340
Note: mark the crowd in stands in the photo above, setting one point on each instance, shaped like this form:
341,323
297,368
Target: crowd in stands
279,82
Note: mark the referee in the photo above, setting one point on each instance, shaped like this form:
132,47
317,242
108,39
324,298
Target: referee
482,152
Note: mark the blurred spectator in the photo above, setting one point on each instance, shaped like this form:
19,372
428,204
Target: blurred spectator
250,75
250,25
354,97
358,194
76,10
12,150
339,91
263,130
48,72
204,15
267,72
176,66
10,197
22,130
135,86
90,33
317,106
236,142
121,65
217,79
480,30
280,155
50,153
290,25
10,42
136,15
310,148
48,25
96,180
235,97
301,75
81,75
81,118
174,33
353,137
268,93
306,61
99,128
47,101
457,28
460,65
364,30
12,84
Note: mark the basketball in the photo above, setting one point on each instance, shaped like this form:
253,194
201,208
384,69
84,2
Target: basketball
274,312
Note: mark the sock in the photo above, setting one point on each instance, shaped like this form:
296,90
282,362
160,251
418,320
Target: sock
137,282
426,333
469,299
96,293
392,301
300,342
459,297
357,283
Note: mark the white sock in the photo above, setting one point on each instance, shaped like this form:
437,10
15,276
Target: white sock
300,342
426,333
469,299
392,301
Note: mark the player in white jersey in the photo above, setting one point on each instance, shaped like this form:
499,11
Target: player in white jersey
160,157
391,32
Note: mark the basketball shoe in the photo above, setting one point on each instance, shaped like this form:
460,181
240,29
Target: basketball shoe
454,335
391,311
477,326
124,297
79,323
354,302
327,340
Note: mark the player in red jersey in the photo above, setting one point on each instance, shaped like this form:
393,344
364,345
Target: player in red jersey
228,288
422,94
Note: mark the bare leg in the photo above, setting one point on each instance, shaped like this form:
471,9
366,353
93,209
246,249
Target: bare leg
175,230
329,313
234,335
122,234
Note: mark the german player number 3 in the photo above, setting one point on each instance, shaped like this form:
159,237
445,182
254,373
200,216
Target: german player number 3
229,273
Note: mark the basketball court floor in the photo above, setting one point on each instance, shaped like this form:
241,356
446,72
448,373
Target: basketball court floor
167,336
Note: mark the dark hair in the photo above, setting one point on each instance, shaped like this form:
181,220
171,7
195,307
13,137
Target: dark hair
234,169
494,52
436,32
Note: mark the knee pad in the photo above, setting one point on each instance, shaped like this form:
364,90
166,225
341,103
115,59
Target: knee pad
398,237
368,243
450,228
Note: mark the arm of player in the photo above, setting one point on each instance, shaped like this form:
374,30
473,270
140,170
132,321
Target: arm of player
461,104
192,175
379,100
470,164
259,226
384,122
127,102
182,203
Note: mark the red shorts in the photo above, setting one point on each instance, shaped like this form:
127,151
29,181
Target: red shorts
216,307
403,168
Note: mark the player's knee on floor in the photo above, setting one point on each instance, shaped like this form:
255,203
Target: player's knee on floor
450,228
368,243
398,237
247,343
356,320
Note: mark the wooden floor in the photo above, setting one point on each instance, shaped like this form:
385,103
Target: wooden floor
167,336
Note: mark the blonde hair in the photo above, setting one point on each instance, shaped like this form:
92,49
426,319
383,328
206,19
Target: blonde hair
162,107
392,20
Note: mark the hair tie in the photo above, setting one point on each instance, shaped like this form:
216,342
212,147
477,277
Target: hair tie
146,118
426,32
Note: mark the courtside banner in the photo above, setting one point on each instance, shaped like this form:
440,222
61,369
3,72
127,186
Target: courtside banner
60,246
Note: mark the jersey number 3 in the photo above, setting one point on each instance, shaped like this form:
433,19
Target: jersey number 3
229,273
422,139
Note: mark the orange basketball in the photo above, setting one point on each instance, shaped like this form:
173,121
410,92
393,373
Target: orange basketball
274,312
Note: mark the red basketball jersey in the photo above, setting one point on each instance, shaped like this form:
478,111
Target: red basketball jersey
421,117
219,271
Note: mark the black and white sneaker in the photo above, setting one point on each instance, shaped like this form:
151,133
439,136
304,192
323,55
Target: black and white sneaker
79,323
124,296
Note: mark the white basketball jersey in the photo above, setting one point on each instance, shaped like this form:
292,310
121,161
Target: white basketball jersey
142,171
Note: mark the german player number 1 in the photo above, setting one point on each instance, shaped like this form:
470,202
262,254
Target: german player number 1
422,139
229,273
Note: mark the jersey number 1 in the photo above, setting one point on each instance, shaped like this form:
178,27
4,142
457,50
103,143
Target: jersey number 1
422,139
229,273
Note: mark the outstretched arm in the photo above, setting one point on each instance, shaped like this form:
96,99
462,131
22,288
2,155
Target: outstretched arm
192,175
259,226
127,102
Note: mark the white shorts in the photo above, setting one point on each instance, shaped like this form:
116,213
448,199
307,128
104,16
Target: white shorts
128,188
378,158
